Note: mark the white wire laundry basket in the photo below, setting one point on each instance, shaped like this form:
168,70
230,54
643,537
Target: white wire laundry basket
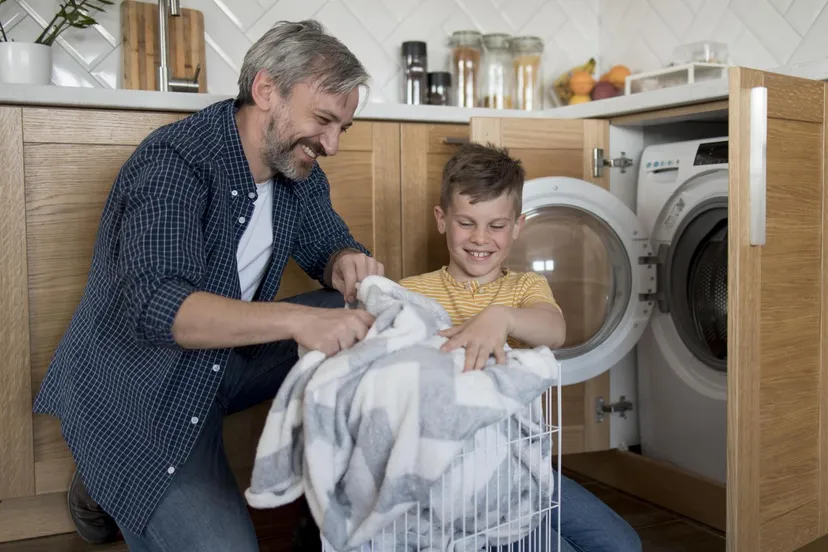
531,526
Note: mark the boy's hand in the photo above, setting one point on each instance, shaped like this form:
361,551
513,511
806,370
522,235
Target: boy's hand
482,335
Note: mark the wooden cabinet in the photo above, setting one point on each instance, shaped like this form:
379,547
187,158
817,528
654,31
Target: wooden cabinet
385,181
63,163
60,165
777,292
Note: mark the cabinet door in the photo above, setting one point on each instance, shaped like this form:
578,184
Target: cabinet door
364,178
59,167
777,458
425,148
16,438
549,147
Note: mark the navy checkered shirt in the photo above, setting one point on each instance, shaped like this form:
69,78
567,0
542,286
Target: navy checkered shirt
131,402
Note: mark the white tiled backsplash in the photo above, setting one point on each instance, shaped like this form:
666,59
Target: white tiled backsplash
638,33
762,34
373,29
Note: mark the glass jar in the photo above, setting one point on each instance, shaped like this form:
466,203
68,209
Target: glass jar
415,73
465,66
527,52
496,81
439,88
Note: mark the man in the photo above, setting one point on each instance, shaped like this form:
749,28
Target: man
177,326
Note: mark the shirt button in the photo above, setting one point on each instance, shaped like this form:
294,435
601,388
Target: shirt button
234,193
194,419
216,367
251,195
241,220
171,470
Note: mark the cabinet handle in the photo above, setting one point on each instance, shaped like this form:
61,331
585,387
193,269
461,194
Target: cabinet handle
455,141
758,163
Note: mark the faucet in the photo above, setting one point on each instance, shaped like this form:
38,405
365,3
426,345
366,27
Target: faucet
166,82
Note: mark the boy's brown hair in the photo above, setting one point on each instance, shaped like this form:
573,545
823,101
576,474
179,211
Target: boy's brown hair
484,173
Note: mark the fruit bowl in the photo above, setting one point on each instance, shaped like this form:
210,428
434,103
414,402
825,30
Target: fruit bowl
578,85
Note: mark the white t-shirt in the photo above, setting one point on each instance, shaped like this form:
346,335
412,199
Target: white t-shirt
256,244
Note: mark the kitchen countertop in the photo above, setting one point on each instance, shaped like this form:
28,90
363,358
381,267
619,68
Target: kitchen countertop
101,98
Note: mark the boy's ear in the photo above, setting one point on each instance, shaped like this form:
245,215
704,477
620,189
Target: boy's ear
440,216
518,226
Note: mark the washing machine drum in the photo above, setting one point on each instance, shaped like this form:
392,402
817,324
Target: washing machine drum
697,289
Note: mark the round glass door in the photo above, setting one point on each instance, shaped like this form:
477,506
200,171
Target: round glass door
587,267
589,246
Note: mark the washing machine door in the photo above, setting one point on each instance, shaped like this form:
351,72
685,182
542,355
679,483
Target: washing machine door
597,257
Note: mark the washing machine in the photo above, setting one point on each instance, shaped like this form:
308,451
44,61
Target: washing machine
682,354
655,277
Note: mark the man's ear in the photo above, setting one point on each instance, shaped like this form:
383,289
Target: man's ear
263,91
440,216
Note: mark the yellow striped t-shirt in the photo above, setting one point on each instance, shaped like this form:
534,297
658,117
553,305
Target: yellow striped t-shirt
463,300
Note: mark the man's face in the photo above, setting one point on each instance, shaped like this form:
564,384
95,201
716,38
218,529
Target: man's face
303,127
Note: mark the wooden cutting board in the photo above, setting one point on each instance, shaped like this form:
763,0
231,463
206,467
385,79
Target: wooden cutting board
139,51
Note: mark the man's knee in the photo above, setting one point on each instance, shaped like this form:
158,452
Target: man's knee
193,534
184,522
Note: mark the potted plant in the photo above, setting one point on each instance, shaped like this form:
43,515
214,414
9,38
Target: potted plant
23,62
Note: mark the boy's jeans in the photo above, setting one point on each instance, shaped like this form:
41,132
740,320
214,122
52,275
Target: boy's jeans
204,510
587,525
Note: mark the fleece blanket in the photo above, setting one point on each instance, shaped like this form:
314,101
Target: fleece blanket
394,445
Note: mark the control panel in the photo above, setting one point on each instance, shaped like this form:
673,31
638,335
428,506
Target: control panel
711,153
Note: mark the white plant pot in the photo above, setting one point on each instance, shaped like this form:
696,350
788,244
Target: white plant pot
25,63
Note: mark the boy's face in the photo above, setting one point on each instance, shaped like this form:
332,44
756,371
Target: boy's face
479,235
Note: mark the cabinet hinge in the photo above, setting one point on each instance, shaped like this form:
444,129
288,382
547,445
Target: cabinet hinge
601,408
599,162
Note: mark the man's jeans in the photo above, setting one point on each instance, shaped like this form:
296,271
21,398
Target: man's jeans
203,509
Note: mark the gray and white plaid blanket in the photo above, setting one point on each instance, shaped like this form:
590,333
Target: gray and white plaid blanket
379,436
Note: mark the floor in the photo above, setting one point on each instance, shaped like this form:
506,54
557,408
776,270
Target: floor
660,530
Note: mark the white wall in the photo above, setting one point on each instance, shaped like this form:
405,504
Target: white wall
761,34
373,29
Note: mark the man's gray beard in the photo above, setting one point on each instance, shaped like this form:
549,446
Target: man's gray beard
278,154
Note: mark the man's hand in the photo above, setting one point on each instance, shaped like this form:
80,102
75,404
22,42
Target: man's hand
350,268
482,335
330,330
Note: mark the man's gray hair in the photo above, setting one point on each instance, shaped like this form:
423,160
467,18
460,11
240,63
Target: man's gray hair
294,52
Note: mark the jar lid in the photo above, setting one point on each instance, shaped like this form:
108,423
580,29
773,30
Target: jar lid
496,41
466,38
439,78
527,44
414,48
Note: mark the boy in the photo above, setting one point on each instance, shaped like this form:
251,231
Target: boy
489,305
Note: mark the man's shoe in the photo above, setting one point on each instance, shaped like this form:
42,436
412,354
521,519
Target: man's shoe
91,522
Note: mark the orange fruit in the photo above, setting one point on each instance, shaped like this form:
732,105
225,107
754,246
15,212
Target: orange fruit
618,75
581,83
